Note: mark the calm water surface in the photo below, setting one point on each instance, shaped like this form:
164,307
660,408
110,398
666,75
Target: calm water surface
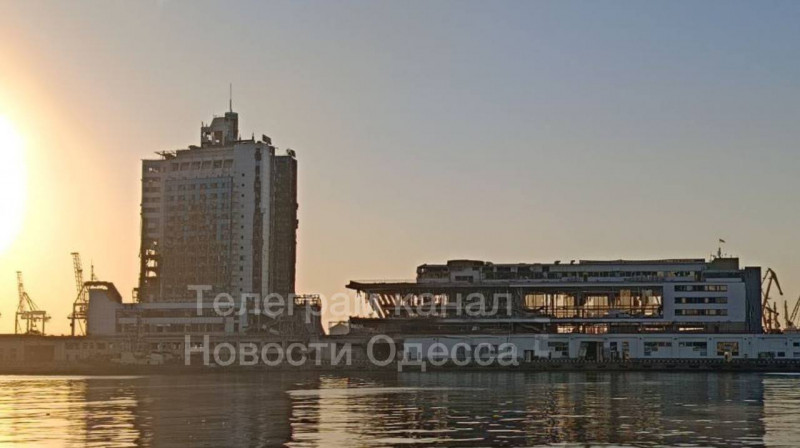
434,409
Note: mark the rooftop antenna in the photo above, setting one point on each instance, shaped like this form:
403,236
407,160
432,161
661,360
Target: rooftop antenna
230,97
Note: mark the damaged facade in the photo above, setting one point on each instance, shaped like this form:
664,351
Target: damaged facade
222,214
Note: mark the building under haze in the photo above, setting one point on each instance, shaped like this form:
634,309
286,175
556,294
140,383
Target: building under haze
582,297
222,214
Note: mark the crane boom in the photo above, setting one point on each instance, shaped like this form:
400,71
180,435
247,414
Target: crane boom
25,301
21,292
81,304
76,264
786,320
795,310
27,311
769,313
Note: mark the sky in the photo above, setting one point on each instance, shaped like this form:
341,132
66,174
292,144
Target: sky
425,131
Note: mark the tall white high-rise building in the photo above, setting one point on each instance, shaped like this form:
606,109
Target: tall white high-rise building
222,214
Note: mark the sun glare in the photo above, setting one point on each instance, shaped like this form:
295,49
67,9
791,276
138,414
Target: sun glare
12,183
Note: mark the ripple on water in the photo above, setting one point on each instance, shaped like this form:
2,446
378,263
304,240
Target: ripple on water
437,409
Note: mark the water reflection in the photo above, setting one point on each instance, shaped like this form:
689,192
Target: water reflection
54,411
433,409
512,409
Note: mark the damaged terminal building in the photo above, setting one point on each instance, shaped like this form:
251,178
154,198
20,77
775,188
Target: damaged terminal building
590,309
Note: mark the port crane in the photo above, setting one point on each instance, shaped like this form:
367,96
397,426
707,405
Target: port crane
790,317
29,319
769,311
77,319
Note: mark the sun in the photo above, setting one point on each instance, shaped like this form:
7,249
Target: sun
12,183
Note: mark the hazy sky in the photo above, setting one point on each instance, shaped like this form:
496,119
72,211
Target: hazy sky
505,131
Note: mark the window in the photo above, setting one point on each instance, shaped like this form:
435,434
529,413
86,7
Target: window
727,347
701,347
655,346
561,348
412,353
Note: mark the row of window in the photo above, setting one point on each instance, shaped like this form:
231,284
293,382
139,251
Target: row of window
722,347
650,347
202,186
86,345
701,312
192,197
220,214
204,165
171,328
219,205
694,344
700,300
525,273
705,288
